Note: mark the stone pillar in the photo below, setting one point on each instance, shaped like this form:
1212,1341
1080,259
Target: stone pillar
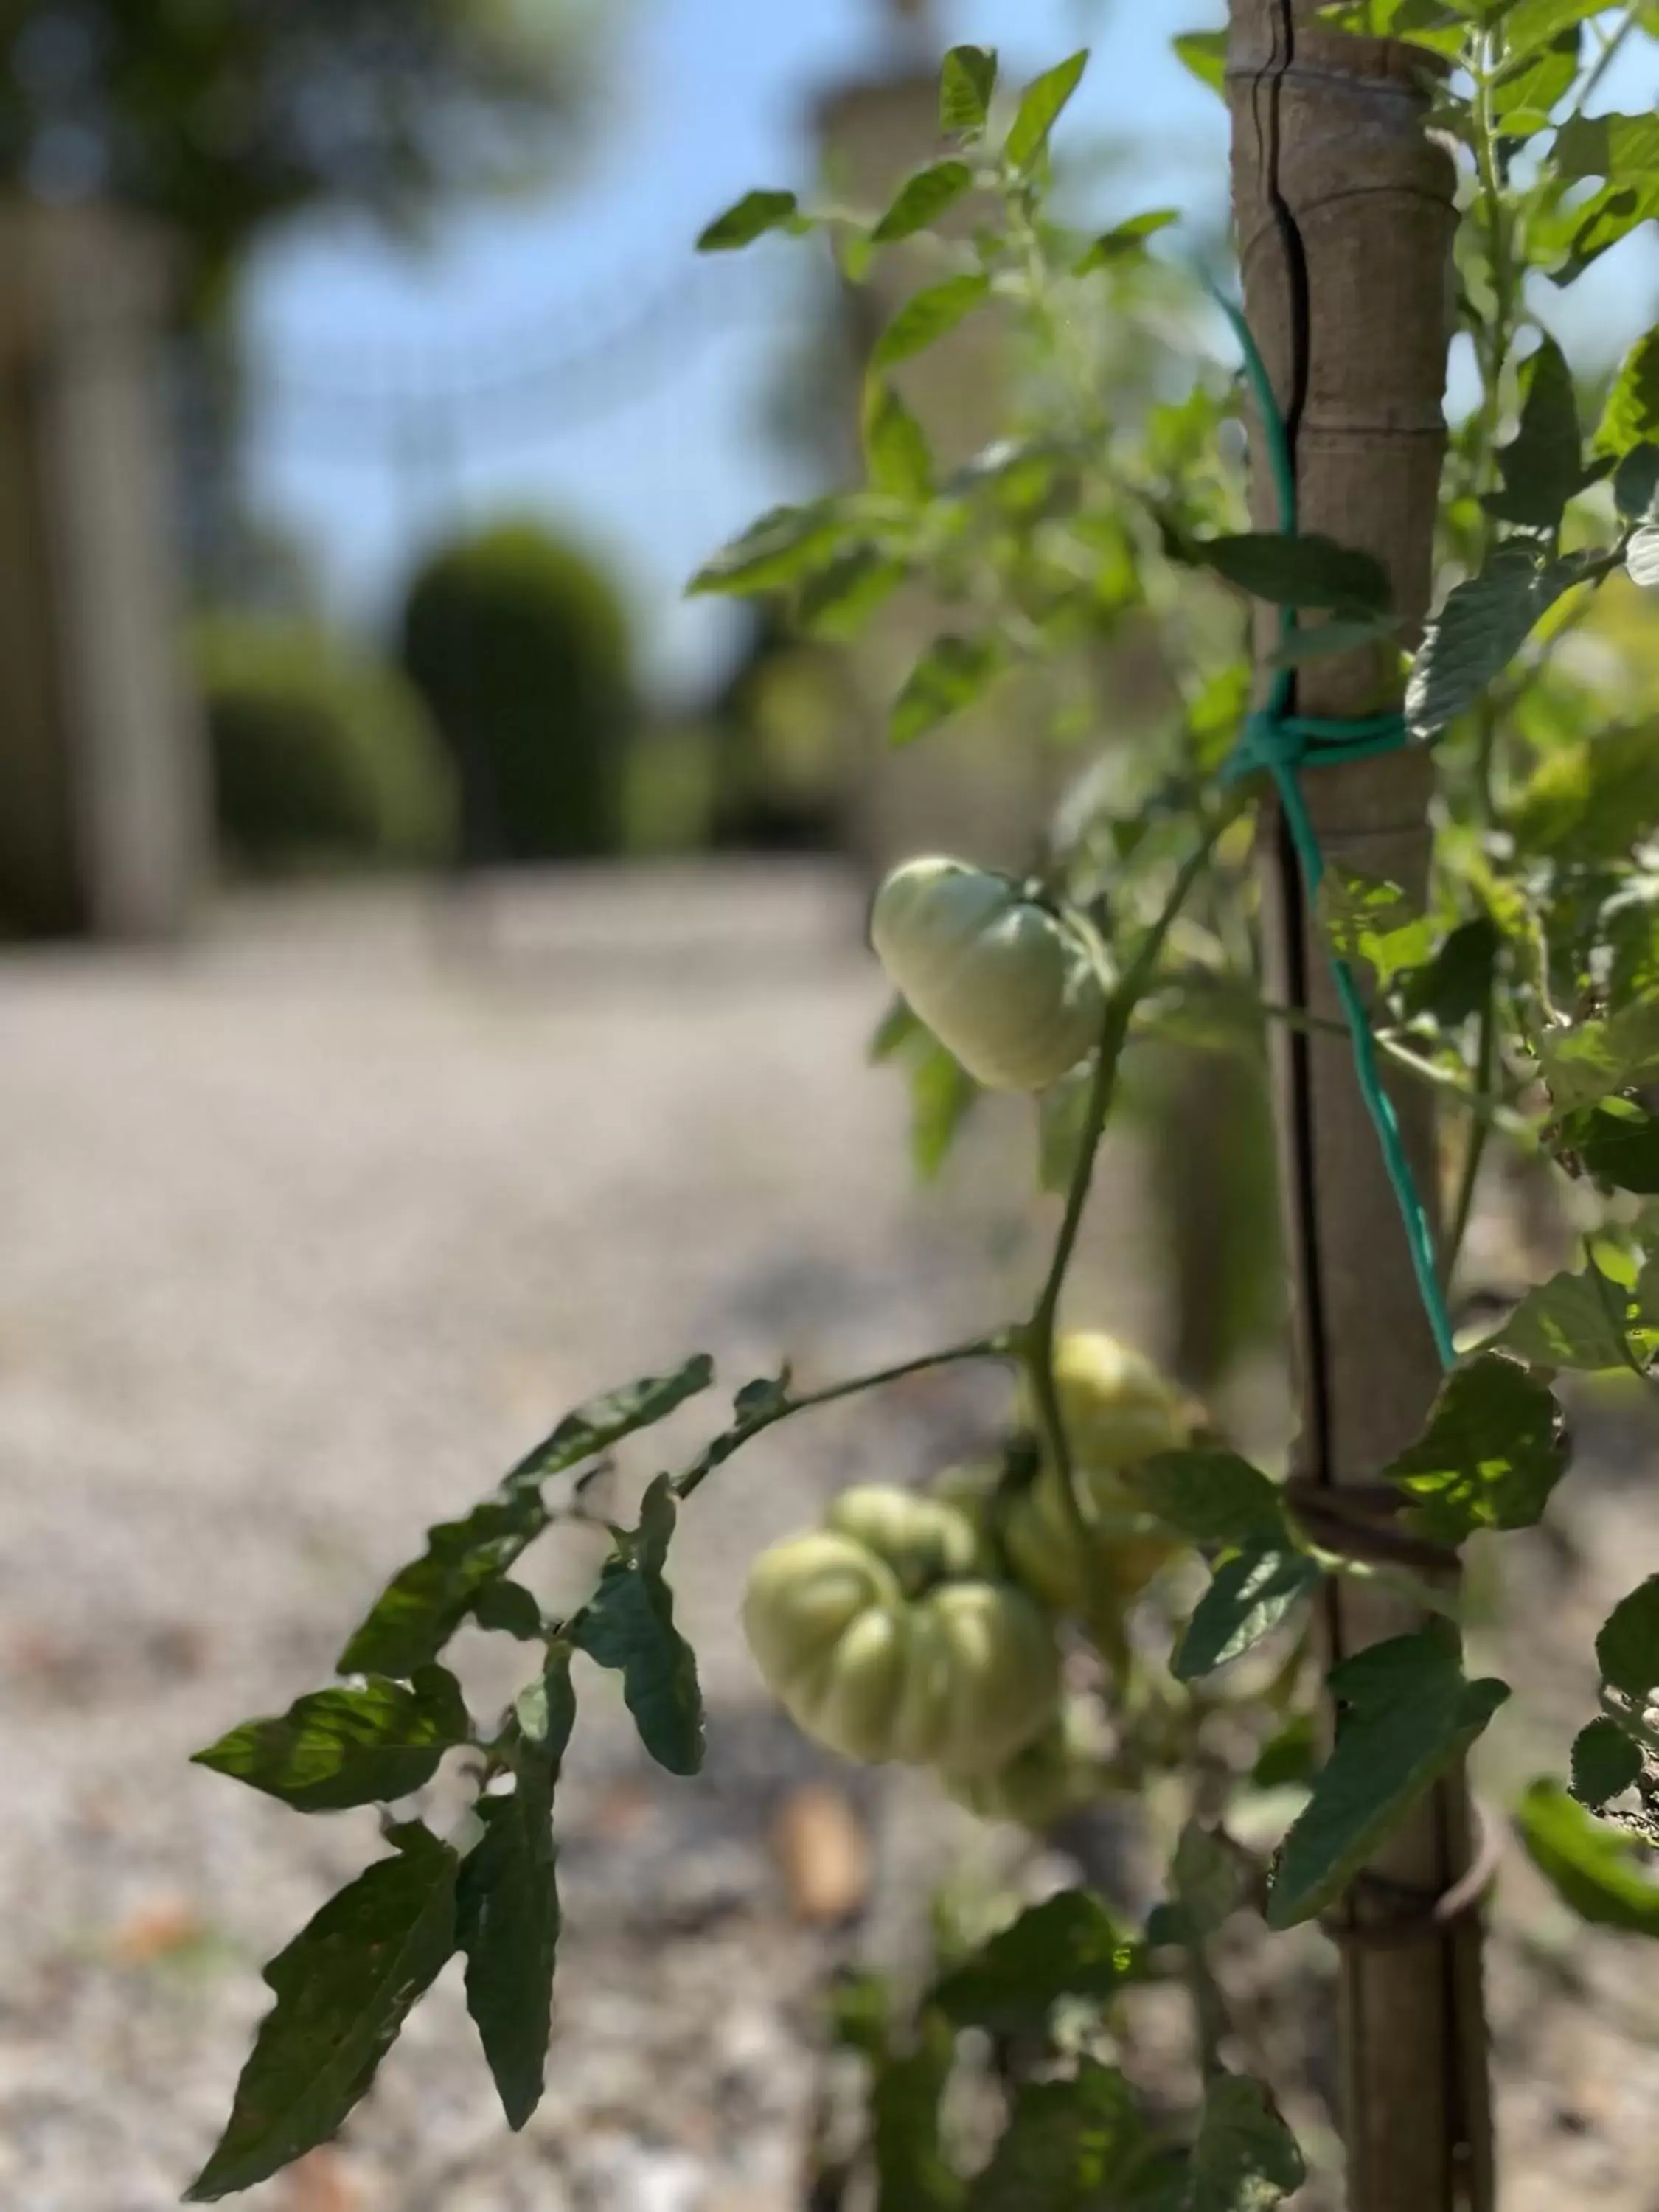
103,788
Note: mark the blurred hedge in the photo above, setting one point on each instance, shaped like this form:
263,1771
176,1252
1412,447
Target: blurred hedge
518,642
322,756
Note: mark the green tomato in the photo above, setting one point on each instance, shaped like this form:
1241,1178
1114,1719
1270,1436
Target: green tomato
1118,1410
1050,1778
958,1676
923,1539
1005,985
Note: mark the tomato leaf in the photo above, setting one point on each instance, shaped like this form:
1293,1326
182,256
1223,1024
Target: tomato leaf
1210,1497
748,219
344,1987
1594,801
426,1601
1125,240
1630,416
1627,1648
1605,1762
1636,482
1068,1946
1370,920
839,600
1405,1712
1203,54
1245,2159
784,544
907,2093
894,445
1250,1593
950,675
340,1747
628,1625
508,1901
600,1422
926,316
1040,109
1305,571
1491,1454
1617,1144
1071,2146
1577,1321
1482,625
967,79
1591,1865
921,199
1584,1062
1543,465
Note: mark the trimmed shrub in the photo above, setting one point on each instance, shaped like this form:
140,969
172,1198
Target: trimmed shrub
322,756
520,645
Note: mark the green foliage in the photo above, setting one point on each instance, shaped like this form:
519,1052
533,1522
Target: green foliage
1203,54
1405,1711
1213,1497
1374,921
748,219
628,1625
1040,109
967,79
1070,1946
341,1747
223,120
1245,2159
1252,1592
1605,1762
1584,1321
520,645
344,1987
931,315
1491,1454
921,199
1308,571
321,756
1595,1868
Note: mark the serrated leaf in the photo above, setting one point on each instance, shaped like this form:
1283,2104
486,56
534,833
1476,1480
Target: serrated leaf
1070,2146
426,1601
1618,1144
1206,1883
337,1748
508,1608
1603,220
1627,1647
1245,2159
628,1625
1636,482
1458,981
921,199
950,674
1531,24
344,1987
894,445
967,79
1375,921
1543,465
1572,1321
748,219
906,2097
1306,571
1211,1496
1642,557
1621,148
1592,1866
507,1915
1584,1062
600,1422
1482,625
839,600
1594,800
1605,1764
1630,416
1067,1947
785,545
1040,108
1492,1453
1125,240
1203,54
926,316
1405,1713
1249,1595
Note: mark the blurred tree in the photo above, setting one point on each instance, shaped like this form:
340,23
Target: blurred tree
518,642
221,117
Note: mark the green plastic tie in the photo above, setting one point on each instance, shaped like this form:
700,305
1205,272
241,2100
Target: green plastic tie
1283,742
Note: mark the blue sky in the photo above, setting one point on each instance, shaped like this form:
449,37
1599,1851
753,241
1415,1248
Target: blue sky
701,100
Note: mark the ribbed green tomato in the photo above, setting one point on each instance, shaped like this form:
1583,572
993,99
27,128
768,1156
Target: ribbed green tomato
1052,1777
1118,1410
924,1540
878,1662
1005,985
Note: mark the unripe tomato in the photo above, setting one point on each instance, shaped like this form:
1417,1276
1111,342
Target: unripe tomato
1050,1778
1118,1410
1005,985
878,1663
924,1540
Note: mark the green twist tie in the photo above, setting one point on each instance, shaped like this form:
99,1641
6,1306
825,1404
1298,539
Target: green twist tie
1283,743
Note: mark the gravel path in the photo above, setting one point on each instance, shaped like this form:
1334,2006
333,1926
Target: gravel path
309,1232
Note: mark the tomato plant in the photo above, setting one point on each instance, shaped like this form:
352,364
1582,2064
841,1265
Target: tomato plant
1523,992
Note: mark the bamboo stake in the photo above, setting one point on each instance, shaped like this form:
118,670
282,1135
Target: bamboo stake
1344,216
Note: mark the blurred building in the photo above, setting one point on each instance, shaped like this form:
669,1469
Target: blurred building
101,788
